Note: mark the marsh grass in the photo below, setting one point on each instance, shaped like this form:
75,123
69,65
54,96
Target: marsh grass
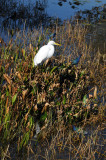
56,94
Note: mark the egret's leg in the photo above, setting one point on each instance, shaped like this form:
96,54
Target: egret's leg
46,62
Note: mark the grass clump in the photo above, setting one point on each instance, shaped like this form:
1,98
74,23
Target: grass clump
54,94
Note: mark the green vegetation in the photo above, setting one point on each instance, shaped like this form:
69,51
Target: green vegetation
56,94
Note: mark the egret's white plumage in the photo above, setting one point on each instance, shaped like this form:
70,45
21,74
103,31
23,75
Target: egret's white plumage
45,52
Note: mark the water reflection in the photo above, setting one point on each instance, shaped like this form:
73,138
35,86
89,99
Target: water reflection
18,14
14,13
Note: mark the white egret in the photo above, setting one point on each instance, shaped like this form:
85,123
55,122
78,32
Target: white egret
45,52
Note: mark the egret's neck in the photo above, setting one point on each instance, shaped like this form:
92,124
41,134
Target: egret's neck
51,51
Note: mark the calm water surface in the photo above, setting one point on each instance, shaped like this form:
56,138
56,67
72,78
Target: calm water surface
67,9
63,9
14,13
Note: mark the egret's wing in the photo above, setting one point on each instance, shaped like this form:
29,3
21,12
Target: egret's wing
41,55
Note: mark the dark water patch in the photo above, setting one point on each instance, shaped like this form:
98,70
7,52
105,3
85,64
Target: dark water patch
14,15
95,19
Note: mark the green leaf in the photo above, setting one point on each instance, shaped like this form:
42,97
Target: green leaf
84,100
40,38
64,99
7,93
53,69
82,73
2,70
44,116
14,98
23,52
24,140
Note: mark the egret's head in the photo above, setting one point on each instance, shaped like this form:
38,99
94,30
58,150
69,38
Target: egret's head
53,43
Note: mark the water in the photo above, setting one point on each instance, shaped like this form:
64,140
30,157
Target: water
68,10
15,14
63,9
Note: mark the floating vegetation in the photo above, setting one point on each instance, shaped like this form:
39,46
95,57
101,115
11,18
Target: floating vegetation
66,90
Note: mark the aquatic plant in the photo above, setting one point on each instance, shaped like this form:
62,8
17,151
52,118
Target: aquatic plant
55,93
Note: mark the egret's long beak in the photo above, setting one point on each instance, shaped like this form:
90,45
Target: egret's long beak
57,44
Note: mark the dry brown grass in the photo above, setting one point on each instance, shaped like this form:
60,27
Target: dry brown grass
57,94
